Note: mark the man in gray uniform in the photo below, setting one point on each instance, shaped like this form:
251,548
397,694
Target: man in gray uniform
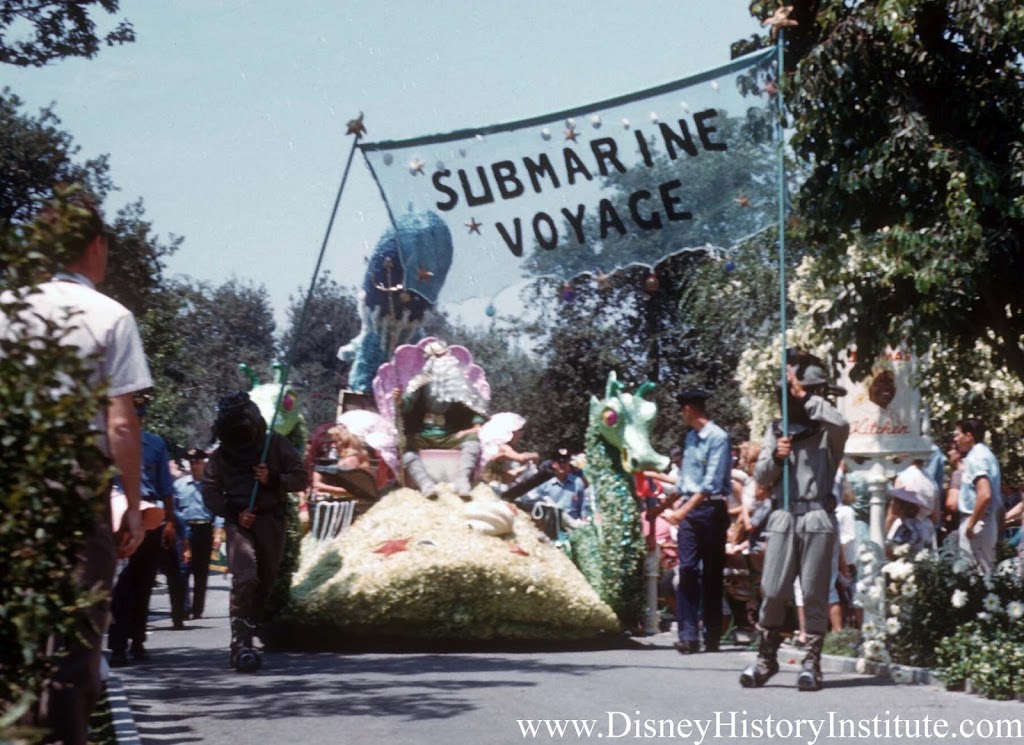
801,530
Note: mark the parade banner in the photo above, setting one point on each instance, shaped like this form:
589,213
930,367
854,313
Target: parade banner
688,165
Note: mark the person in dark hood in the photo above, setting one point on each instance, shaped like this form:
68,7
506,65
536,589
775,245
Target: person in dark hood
251,494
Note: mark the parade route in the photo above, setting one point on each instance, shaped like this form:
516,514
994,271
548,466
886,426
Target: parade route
642,691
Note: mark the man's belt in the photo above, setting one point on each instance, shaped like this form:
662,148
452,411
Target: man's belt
708,498
801,507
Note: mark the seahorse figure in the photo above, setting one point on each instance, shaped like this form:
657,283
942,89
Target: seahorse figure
610,552
289,420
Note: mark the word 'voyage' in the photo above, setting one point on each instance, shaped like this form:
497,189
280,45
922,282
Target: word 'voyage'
645,209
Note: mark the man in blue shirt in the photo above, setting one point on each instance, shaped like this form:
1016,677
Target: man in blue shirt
980,494
703,519
567,490
158,552
198,540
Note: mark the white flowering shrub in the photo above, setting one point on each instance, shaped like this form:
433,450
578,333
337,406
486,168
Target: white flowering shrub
939,610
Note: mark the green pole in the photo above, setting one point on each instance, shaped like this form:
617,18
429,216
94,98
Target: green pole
780,143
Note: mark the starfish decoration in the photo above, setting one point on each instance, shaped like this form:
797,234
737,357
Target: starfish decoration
770,88
779,18
394,546
571,134
356,126
474,226
424,274
743,201
518,550
603,281
416,166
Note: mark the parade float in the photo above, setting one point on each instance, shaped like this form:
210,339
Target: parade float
447,568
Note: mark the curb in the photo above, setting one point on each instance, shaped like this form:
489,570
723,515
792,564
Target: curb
125,731
901,674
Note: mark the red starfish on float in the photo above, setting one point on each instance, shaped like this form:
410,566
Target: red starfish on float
393,546
517,549
474,226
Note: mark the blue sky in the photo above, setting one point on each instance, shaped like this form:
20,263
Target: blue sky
228,116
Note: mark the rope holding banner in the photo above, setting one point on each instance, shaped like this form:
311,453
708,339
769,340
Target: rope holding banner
353,127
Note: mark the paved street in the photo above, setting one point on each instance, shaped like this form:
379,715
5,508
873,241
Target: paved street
187,694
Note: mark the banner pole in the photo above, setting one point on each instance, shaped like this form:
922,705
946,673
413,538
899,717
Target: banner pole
781,165
355,127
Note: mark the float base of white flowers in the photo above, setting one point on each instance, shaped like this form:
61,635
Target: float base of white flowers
445,581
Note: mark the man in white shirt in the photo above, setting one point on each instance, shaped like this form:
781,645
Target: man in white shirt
105,331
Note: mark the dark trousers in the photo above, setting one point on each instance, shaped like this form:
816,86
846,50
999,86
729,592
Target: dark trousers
68,700
701,541
254,560
201,544
130,606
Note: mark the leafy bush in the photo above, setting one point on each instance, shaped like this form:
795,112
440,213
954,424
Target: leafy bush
53,470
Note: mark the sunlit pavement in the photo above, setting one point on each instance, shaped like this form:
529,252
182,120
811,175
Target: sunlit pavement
644,690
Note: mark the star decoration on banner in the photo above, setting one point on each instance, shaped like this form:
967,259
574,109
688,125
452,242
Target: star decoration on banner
424,274
778,19
743,201
394,546
518,550
356,126
416,166
571,134
474,226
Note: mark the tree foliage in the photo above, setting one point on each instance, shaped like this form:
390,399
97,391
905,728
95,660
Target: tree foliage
216,328
909,115
34,33
331,320
35,154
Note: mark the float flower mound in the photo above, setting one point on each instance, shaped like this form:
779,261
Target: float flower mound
413,568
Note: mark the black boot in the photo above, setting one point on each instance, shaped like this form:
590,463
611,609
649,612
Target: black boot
756,675
810,678
245,656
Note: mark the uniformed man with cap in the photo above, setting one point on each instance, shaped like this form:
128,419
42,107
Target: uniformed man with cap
802,529
702,519
198,539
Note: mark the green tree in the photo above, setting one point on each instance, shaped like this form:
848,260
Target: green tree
331,320
909,116
218,327
34,33
35,154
